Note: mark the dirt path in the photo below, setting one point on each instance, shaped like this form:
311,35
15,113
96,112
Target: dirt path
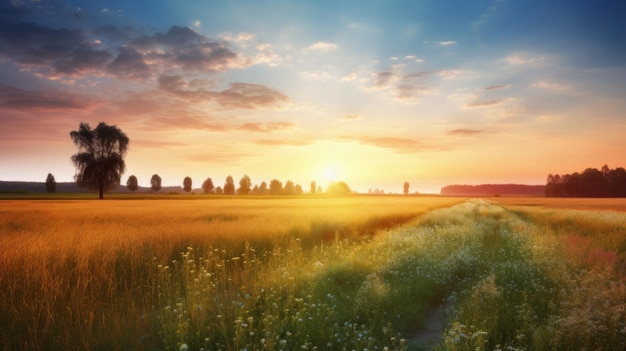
430,332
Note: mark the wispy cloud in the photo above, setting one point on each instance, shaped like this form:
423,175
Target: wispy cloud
550,85
389,142
496,87
478,104
285,142
350,117
23,100
523,59
446,43
265,127
321,46
239,95
464,132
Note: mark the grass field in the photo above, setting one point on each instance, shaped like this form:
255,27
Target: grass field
354,273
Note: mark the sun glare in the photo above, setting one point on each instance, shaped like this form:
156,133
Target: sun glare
331,174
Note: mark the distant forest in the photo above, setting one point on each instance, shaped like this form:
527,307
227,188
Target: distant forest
591,182
493,189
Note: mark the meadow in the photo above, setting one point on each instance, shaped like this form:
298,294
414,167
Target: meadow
312,273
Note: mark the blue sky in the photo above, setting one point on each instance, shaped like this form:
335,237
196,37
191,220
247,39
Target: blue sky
374,93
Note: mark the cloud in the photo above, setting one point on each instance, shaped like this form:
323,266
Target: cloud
464,132
545,84
478,104
22,100
145,143
29,43
266,54
497,86
351,117
446,43
185,121
349,77
383,79
239,95
317,75
250,96
129,64
63,51
182,47
392,143
409,93
321,46
409,87
519,59
265,127
217,154
284,142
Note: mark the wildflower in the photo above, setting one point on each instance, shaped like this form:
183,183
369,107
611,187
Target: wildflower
184,347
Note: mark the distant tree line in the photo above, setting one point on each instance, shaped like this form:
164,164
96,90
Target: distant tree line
493,189
275,187
592,182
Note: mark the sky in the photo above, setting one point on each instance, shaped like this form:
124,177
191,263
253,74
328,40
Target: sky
370,92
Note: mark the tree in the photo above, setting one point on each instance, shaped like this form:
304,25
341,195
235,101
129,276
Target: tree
338,188
229,186
100,158
187,184
299,190
244,185
219,190
263,190
155,183
208,186
51,184
276,187
406,188
290,188
131,183
313,187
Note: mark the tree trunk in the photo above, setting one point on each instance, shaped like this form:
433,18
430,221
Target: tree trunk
101,191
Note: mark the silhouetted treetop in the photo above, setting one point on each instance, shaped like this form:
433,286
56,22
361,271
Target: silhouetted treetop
100,158
155,182
591,182
187,184
132,183
51,184
208,186
229,186
338,188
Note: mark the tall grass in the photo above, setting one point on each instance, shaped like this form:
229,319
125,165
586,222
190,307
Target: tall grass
309,274
80,274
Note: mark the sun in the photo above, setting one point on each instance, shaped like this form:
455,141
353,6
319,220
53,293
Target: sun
331,173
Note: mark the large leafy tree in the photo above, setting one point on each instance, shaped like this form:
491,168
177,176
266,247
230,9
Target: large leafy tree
51,184
229,186
208,186
244,185
100,158
276,187
132,183
155,182
187,184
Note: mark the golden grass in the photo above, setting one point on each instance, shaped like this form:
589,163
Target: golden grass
84,274
604,204
76,272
